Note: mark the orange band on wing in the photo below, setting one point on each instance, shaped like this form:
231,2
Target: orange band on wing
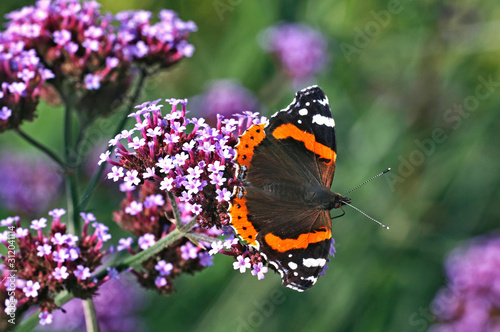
289,130
240,222
248,141
301,242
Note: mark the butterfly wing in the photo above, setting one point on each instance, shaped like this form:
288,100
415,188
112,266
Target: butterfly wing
308,120
278,162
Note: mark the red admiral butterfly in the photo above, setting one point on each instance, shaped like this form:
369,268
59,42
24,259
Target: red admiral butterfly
283,208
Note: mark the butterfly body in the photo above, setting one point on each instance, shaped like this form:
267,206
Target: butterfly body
286,167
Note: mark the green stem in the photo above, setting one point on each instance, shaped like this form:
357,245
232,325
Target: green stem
29,323
119,128
68,129
79,140
32,321
42,148
197,237
72,199
175,209
90,316
136,260
71,181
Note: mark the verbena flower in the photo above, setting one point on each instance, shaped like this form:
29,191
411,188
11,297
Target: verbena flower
93,54
22,75
159,44
471,300
170,153
77,42
117,306
299,49
27,184
152,222
48,261
224,97
186,156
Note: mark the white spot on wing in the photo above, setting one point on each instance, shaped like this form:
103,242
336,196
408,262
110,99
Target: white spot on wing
303,111
292,265
295,288
314,262
323,120
309,88
323,102
313,279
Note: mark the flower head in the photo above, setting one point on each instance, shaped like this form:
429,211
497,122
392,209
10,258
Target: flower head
472,297
22,75
162,43
196,165
154,222
299,49
48,264
93,54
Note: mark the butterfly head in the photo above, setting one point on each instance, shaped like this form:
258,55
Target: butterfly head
337,200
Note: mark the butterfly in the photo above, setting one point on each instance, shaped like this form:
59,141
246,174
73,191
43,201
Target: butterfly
286,168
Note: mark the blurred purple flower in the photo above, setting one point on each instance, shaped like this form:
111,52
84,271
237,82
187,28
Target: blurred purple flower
27,184
299,49
117,307
224,97
471,300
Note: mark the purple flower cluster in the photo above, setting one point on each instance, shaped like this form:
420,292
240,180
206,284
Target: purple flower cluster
299,49
92,54
246,257
186,156
227,98
471,300
149,217
196,163
21,75
117,306
160,44
48,264
21,171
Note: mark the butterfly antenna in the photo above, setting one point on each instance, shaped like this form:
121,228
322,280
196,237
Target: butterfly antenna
362,184
355,208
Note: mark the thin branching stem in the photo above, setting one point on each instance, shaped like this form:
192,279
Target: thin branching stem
91,322
42,148
119,128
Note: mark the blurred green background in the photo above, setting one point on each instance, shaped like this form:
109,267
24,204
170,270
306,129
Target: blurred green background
396,84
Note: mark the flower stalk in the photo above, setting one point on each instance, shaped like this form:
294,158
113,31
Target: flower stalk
42,148
91,322
135,96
